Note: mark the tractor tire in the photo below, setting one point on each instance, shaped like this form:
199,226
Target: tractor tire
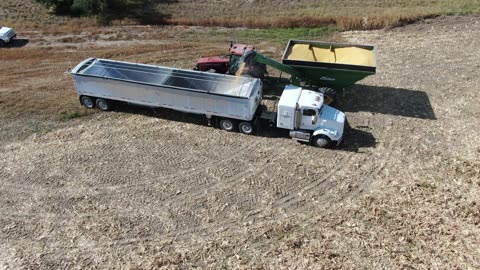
321,141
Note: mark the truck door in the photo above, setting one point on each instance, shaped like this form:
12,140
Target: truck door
309,118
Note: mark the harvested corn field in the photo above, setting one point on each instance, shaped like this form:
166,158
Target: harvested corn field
139,188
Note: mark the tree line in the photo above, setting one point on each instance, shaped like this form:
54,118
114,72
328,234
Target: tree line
143,11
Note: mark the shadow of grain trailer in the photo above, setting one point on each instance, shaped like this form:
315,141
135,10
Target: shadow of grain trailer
231,102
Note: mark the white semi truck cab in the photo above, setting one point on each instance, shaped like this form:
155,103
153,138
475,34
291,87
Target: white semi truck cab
309,120
6,35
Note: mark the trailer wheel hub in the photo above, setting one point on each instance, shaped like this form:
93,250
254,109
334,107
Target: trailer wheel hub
246,127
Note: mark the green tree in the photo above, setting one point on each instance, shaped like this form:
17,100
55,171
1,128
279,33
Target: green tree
85,7
61,7
145,11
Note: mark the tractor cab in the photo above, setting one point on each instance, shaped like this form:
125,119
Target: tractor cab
230,64
239,49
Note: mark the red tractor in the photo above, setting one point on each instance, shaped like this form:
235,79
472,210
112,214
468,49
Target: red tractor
230,64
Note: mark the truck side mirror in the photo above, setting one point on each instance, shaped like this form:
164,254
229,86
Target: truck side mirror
314,119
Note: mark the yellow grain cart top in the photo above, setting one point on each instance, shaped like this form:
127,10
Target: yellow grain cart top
343,55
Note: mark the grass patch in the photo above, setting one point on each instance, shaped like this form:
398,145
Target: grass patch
282,35
71,115
278,36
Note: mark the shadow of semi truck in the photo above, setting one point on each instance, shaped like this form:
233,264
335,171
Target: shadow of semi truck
354,138
386,100
17,43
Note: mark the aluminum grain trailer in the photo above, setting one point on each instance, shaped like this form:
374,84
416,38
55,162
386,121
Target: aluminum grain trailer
100,81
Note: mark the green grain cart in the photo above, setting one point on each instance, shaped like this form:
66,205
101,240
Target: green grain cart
326,67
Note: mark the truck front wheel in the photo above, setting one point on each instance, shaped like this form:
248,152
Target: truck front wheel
227,124
246,128
87,102
321,141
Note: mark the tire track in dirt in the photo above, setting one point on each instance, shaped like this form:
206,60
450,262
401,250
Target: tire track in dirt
231,159
295,195
35,164
109,187
229,181
176,202
191,171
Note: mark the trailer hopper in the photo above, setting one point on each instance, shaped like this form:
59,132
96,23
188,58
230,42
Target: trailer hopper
102,80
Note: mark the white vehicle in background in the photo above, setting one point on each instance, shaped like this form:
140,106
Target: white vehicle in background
6,35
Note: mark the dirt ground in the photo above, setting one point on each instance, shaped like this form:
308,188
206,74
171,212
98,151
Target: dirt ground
141,188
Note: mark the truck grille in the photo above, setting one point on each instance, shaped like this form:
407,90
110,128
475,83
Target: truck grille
10,34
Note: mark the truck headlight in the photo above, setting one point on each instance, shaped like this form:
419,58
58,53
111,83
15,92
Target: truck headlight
331,132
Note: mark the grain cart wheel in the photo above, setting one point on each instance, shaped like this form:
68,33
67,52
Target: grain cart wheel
246,128
329,95
2,43
227,124
87,102
103,104
321,141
